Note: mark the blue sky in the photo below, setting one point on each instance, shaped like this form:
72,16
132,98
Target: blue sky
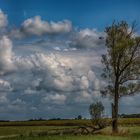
50,56
83,13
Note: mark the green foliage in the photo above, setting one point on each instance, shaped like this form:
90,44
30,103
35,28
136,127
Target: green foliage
122,65
79,117
96,110
122,61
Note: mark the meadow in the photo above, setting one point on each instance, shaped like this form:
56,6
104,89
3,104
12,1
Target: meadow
38,130
72,122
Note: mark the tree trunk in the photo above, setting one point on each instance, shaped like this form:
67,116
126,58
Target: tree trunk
114,120
115,109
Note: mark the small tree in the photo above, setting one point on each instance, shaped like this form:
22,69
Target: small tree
122,64
96,111
79,117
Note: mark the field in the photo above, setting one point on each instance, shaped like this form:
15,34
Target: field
36,130
122,122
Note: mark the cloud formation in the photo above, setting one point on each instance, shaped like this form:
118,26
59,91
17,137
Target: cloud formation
88,38
37,26
43,79
3,19
6,55
60,72
81,39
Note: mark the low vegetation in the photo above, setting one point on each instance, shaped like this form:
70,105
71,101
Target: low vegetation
64,130
40,133
72,122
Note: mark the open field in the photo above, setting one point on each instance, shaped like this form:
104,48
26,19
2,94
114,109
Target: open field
122,122
133,134
36,130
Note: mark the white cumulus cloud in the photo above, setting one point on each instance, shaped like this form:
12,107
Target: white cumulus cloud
3,19
88,38
6,55
37,26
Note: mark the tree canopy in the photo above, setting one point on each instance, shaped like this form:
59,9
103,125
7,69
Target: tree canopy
121,63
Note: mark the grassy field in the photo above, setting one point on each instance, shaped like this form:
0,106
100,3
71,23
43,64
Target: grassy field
122,121
26,130
133,134
97,137
130,130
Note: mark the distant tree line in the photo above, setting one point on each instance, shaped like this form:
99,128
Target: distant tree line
129,115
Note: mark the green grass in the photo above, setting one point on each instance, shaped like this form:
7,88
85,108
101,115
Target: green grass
95,137
133,134
25,130
121,121
130,130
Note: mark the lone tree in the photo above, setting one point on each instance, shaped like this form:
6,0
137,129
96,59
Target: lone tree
79,117
96,111
122,64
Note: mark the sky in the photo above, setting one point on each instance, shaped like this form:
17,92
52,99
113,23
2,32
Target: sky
83,13
50,56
